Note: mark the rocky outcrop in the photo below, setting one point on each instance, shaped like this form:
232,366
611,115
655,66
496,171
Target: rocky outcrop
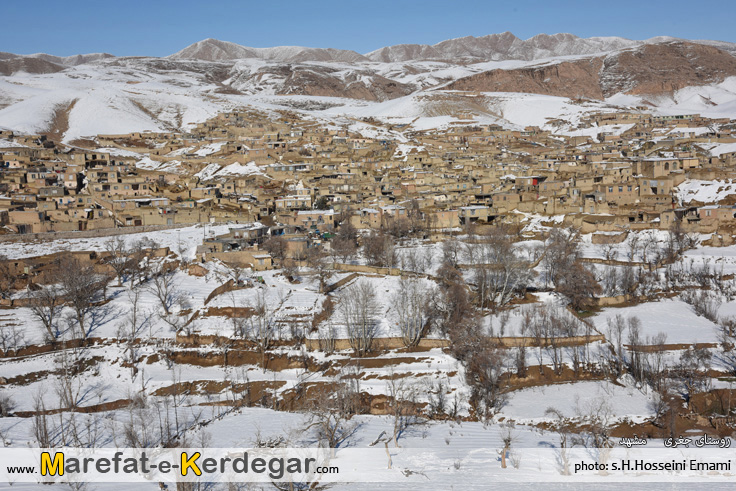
319,80
28,65
664,68
567,79
504,46
655,69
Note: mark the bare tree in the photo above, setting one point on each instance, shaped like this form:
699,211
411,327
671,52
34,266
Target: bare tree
633,246
7,279
561,252
578,284
42,430
164,286
596,416
379,249
451,250
563,427
331,413
12,338
358,307
277,246
82,289
410,304
692,371
344,244
262,325
499,272
7,405
133,326
616,330
484,373
401,405
508,437
317,260
46,305
120,258
327,337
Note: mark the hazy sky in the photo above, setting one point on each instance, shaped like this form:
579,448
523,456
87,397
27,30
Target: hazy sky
162,27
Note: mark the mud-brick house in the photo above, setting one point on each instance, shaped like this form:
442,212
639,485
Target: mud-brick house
322,220
475,213
715,216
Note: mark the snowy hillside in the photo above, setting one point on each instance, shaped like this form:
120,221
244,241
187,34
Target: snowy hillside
78,97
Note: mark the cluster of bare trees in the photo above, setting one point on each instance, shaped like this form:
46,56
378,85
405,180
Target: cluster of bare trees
130,261
344,245
499,271
158,421
12,337
705,303
417,260
82,289
559,334
379,249
485,373
595,420
61,424
331,412
564,267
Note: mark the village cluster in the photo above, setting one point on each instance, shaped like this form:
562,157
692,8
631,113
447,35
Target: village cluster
300,179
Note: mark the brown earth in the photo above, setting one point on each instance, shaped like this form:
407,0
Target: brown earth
652,69
28,65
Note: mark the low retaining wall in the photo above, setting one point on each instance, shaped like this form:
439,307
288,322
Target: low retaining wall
331,288
360,268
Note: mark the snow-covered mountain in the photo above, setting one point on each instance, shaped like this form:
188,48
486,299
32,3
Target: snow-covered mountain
59,60
504,46
479,79
215,50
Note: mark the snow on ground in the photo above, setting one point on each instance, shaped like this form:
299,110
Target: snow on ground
705,191
238,169
10,144
106,97
672,317
209,149
118,152
213,171
538,223
711,101
719,259
576,400
186,239
594,131
172,166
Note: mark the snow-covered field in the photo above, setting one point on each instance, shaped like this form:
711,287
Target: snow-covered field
673,317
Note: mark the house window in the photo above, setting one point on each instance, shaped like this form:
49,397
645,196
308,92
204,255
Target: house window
610,189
